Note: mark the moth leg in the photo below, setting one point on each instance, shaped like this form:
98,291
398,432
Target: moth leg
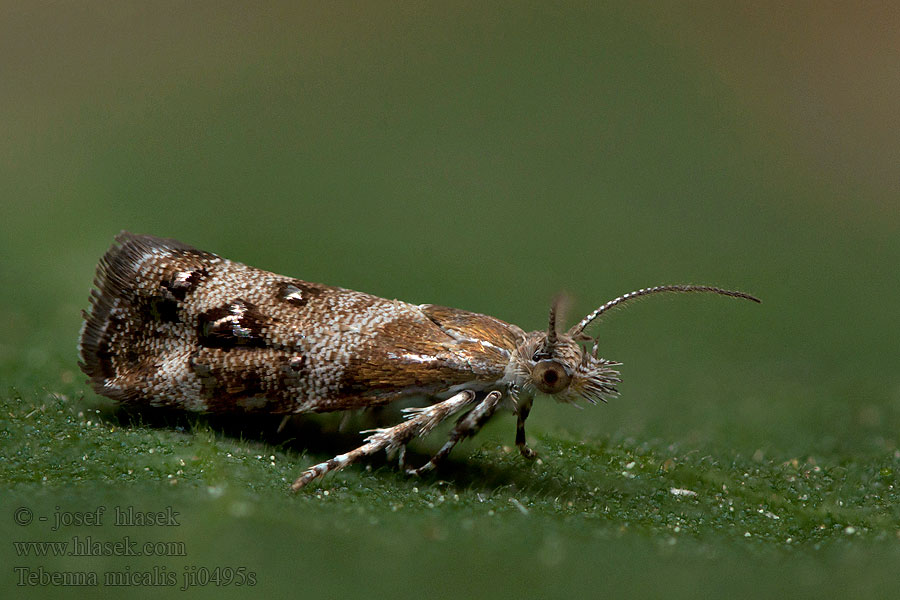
419,421
345,420
468,425
522,412
284,421
401,458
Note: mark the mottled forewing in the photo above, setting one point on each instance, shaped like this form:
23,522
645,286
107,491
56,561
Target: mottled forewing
170,325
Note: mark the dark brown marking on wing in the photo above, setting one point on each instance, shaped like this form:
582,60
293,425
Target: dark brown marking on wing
237,323
299,293
183,282
162,309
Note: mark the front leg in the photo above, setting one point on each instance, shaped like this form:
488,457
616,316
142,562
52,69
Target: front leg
467,426
419,422
523,409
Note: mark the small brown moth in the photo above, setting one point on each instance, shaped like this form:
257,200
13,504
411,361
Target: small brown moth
170,325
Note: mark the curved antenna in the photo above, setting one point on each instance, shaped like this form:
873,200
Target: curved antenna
578,329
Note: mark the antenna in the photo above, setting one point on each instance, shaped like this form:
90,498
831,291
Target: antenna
578,329
551,329
557,307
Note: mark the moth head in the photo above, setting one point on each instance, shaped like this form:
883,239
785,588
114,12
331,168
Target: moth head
568,370
566,365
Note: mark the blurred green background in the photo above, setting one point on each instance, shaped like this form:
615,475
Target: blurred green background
486,156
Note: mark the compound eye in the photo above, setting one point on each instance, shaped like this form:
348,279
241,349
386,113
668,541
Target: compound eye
550,376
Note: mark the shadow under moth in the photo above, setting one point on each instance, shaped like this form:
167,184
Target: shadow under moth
173,326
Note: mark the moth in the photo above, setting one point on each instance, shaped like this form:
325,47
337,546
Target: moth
173,326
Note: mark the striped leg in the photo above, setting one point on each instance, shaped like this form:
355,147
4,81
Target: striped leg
419,421
524,408
468,425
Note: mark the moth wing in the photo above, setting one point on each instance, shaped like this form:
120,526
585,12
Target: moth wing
474,327
431,350
172,325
